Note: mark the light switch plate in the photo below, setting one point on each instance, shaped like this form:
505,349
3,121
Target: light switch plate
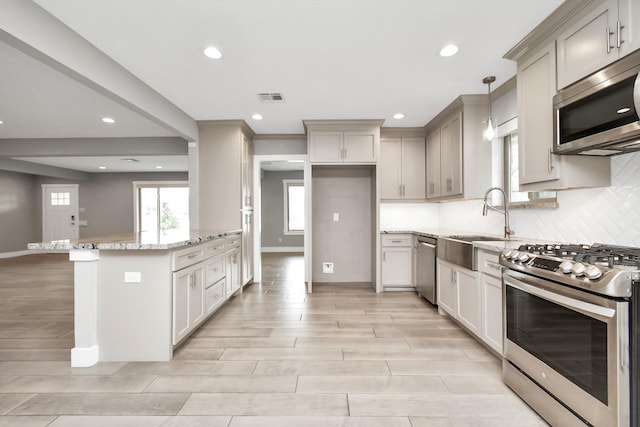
132,277
336,216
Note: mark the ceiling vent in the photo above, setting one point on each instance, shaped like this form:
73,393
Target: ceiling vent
130,160
270,97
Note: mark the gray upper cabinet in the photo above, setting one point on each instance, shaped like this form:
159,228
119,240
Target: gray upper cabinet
343,141
539,168
608,31
458,161
402,168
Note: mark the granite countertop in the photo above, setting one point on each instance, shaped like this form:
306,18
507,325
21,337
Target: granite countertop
490,245
136,241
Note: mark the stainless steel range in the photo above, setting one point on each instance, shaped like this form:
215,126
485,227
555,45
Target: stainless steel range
572,332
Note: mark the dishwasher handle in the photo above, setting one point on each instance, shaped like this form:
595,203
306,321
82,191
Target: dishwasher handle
428,245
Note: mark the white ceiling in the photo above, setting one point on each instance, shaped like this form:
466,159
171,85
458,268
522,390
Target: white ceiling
331,59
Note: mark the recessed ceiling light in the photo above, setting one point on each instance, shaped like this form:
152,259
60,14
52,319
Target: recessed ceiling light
1,122
212,52
295,161
102,167
256,117
108,120
398,116
449,50
158,167
620,111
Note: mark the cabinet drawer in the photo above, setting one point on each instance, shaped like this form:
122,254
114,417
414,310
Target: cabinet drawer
488,263
214,247
233,241
214,269
188,256
214,296
397,240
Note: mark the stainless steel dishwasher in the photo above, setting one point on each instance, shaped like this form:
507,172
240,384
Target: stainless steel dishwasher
426,268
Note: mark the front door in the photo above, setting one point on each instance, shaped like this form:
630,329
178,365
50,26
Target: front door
59,212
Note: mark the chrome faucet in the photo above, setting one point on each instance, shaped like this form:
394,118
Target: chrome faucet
485,209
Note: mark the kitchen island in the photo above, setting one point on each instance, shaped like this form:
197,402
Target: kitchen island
139,295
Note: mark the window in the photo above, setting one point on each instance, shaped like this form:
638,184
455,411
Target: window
511,182
61,199
162,207
293,206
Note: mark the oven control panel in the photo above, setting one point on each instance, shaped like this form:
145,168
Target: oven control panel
545,264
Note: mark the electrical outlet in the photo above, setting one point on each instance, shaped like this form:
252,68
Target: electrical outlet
327,267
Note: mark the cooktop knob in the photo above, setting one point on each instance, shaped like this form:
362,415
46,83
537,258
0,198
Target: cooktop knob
566,266
514,255
578,269
593,272
523,257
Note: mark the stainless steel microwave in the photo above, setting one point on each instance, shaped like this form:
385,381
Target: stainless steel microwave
598,115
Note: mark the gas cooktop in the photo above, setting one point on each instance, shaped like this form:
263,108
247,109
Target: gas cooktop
598,268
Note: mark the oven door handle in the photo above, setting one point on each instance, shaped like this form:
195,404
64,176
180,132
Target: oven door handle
532,285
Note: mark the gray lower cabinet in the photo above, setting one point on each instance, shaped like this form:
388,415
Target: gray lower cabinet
397,261
459,295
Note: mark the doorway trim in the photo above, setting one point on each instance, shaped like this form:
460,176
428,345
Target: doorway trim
257,192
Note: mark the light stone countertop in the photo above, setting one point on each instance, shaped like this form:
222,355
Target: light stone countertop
136,241
490,245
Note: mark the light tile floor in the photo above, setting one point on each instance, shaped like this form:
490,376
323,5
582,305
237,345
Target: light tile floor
343,356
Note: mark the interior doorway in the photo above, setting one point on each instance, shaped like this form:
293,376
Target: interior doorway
60,212
278,182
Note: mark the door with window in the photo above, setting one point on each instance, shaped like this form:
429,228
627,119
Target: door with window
60,212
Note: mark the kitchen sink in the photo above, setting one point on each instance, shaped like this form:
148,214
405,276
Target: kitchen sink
459,250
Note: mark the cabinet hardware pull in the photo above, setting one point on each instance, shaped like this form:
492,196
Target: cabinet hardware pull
550,160
193,255
619,37
608,34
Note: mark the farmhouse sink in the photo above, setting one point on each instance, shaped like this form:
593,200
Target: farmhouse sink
459,250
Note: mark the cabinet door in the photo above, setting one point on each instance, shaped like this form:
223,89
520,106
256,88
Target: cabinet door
397,266
359,147
188,305
413,168
433,165
536,88
247,173
451,156
196,296
181,286
390,168
492,312
593,31
247,247
447,289
232,272
325,146
469,300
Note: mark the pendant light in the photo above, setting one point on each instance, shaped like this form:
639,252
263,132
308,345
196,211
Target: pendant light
489,132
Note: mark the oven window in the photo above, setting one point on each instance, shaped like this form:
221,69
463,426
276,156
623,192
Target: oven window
573,344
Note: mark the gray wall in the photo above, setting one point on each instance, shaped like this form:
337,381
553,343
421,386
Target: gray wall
18,200
272,145
346,190
107,199
273,210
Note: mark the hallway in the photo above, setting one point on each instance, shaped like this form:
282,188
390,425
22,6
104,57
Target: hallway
272,356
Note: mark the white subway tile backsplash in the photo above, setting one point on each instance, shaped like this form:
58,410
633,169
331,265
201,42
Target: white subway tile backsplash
608,215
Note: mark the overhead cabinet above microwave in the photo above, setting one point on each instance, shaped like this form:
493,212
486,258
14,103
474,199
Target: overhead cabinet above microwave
609,30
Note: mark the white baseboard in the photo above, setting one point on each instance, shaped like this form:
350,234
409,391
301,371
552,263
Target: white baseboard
31,252
84,357
282,249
